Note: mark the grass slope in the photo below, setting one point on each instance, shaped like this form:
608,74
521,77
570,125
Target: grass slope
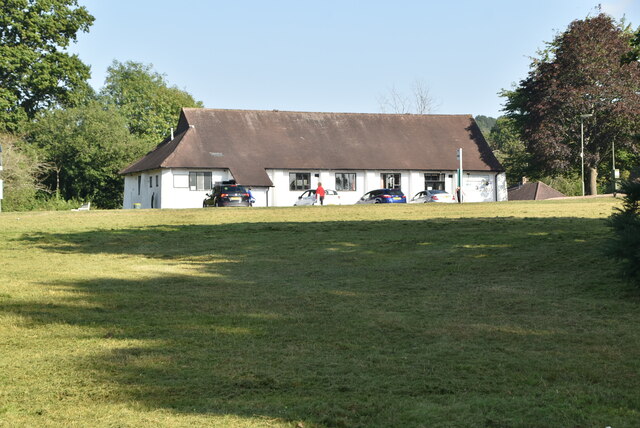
478,315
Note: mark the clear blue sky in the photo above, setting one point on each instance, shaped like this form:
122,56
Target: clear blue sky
333,56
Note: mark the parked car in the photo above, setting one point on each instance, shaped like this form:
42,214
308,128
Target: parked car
383,196
227,195
432,196
331,197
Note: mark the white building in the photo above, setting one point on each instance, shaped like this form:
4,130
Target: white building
281,154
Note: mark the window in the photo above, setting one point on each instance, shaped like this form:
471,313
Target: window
391,180
157,181
150,181
299,180
199,181
139,183
345,181
433,181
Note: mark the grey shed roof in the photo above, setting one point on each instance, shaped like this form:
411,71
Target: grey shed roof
533,192
247,142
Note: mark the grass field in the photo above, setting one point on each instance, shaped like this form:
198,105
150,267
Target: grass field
474,315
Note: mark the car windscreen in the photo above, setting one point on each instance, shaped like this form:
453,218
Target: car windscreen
233,189
394,192
437,192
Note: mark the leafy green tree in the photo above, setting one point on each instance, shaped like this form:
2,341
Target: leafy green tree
508,147
485,123
143,97
35,71
580,73
634,53
86,146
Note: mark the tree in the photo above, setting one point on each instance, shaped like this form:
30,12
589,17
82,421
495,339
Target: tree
419,102
579,73
143,97
35,71
634,53
21,169
86,146
485,123
507,145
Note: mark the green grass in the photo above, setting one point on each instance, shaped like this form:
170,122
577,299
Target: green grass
474,315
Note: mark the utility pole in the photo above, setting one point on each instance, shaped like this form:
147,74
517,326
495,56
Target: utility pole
459,189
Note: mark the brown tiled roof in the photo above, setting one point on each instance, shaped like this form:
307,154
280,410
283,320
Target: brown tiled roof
247,142
533,191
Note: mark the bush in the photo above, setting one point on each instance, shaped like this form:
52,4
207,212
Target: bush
52,203
625,222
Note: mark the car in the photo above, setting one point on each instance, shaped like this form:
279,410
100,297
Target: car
227,194
432,196
331,197
383,196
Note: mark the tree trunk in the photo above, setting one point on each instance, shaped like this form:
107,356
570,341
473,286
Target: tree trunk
593,181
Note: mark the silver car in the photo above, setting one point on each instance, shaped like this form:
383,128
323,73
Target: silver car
331,197
432,196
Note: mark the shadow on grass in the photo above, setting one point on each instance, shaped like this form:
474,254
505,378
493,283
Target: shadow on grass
389,323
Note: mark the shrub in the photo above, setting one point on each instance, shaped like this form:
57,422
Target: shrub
52,203
625,222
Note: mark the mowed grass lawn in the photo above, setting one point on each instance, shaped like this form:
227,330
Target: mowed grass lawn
474,315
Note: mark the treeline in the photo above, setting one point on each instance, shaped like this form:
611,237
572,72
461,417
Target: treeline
62,142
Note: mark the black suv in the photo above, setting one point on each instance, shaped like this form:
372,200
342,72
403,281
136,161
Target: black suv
227,194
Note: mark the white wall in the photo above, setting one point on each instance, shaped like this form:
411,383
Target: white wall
502,187
173,187
260,194
172,190
176,192
477,186
481,186
141,196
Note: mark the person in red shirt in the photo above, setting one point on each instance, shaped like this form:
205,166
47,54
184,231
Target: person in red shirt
320,193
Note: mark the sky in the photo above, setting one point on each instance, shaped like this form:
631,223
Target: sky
333,55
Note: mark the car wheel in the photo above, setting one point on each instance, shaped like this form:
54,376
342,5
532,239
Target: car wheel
378,201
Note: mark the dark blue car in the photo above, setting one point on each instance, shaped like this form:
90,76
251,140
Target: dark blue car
383,196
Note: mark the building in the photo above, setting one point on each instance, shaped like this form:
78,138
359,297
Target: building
528,191
280,154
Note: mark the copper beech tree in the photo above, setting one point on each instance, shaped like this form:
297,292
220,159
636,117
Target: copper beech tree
580,77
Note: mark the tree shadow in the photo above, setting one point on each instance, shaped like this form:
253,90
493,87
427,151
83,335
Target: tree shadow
333,323
486,154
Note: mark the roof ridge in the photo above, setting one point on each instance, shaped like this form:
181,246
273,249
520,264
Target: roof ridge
180,137
323,112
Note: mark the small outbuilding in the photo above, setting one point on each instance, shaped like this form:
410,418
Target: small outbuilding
281,154
529,191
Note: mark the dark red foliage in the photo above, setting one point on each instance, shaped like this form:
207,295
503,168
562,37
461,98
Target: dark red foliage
583,73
